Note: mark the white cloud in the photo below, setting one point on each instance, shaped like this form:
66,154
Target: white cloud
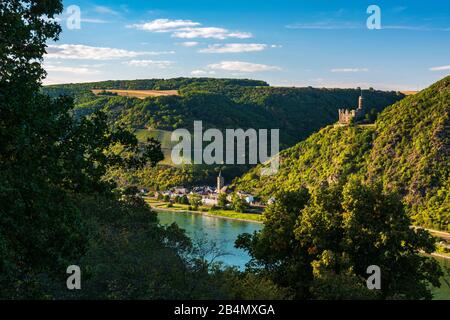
79,51
98,65
92,20
209,32
325,25
440,68
188,29
105,10
164,25
350,70
189,43
241,66
74,70
234,48
202,72
149,63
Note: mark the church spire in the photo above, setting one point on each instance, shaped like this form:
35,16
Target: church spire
220,182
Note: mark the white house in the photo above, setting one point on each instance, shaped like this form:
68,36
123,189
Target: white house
249,199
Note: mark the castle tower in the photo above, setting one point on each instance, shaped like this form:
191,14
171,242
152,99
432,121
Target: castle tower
360,101
220,182
346,116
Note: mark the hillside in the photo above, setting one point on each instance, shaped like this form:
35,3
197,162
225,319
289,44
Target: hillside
219,103
140,94
408,150
222,103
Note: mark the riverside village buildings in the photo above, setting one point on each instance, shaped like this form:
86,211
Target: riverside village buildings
209,195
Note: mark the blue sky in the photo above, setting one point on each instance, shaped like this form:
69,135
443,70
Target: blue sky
320,43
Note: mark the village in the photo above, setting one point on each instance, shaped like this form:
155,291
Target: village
207,198
221,200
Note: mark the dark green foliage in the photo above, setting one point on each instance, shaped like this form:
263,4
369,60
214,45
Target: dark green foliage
184,199
156,84
107,93
39,228
131,257
47,160
321,245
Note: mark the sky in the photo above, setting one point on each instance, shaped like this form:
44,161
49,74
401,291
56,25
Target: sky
319,43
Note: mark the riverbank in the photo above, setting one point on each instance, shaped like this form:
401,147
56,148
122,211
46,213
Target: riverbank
443,292
225,214
192,221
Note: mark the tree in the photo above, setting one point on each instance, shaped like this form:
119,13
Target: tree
376,231
31,125
371,116
222,200
46,156
195,201
184,199
274,250
238,204
319,244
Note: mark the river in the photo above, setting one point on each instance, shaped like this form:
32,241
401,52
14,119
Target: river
223,232
220,231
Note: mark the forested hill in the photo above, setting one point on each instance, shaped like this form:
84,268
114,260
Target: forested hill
223,103
151,84
407,150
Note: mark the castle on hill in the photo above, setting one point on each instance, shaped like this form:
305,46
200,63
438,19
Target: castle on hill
346,116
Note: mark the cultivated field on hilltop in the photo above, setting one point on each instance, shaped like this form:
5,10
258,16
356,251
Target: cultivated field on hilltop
140,94
408,93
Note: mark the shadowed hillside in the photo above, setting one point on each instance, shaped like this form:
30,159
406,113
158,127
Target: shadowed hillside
218,103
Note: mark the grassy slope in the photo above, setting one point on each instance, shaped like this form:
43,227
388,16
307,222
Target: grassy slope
443,293
408,150
156,204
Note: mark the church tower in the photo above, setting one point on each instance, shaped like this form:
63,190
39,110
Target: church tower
220,182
